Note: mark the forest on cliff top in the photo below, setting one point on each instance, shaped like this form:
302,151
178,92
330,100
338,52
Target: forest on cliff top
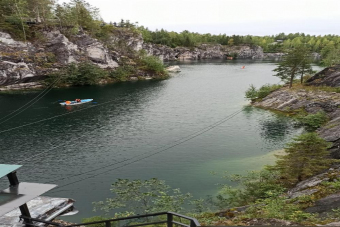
25,19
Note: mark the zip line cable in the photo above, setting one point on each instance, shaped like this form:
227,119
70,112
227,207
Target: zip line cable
43,152
60,115
189,136
69,141
46,90
160,151
25,108
25,104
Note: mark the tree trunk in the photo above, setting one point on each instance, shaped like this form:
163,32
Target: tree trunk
291,79
21,19
303,71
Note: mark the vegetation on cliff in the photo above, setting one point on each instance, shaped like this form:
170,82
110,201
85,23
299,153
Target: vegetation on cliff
25,20
254,94
86,73
296,61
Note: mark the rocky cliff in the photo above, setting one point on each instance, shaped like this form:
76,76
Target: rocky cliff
29,62
312,100
328,77
204,51
24,62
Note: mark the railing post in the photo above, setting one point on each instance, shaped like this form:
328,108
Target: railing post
26,213
192,223
13,179
107,224
169,220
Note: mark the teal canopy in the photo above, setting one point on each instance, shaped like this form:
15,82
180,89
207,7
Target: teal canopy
6,169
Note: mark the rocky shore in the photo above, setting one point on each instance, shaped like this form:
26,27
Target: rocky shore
315,97
31,62
311,101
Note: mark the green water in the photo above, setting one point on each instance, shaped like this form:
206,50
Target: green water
132,133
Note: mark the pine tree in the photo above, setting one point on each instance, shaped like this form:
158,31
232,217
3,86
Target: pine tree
305,157
297,60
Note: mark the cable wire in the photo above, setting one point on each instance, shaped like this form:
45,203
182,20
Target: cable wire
50,118
160,151
46,90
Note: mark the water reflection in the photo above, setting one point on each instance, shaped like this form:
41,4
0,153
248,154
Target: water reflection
144,117
274,127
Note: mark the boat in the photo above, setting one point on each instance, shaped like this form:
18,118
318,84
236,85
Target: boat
72,103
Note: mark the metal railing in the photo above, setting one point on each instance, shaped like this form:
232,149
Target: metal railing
170,222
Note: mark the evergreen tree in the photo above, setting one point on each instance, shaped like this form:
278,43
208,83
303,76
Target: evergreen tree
305,64
297,60
332,57
306,156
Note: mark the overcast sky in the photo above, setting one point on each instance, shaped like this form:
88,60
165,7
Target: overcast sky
254,17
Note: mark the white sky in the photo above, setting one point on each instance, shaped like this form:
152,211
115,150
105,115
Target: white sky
242,17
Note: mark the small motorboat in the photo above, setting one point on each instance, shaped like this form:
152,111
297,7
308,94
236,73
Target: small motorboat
72,103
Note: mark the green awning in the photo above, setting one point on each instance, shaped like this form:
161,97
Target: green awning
6,169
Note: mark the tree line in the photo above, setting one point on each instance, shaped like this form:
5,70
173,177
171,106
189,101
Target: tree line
21,17
273,43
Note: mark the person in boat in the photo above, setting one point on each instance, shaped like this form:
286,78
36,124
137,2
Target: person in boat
78,100
68,102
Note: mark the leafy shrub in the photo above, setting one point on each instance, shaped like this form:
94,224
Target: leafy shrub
152,64
306,156
254,94
233,55
89,74
313,121
278,207
141,197
251,187
267,89
122,73
251,93
82,74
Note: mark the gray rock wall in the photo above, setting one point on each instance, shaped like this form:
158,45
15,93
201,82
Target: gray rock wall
204,51
22,62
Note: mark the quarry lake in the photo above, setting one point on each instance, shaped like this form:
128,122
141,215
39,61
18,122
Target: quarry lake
179,130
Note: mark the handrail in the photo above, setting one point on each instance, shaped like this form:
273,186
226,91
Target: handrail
169,221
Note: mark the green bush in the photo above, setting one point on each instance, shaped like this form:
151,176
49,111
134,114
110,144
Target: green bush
77,74
251,187
152,64
142,197
313,121
306,156
251,93
122,73
280,208
254,94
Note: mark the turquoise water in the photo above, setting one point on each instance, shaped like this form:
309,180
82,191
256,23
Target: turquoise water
138,130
